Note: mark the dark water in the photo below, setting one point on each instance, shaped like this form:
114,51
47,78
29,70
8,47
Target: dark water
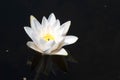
95,22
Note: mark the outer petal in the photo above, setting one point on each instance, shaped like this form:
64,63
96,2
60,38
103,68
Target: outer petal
32,34
33,46
51,19
62,52
65,27
35,24
70,40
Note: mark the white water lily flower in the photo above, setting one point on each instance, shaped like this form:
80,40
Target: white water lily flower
49,37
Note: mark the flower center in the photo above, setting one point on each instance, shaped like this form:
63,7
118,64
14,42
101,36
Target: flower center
48,37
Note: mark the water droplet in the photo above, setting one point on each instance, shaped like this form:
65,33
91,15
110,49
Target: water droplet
24,78
105,6
7,50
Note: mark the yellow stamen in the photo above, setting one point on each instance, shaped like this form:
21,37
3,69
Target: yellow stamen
48,37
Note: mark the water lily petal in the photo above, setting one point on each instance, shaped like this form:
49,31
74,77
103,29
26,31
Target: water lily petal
29,31
45,46
60,52
65,27
35,24
32,34
44,21
59,38
33,46
70,40
55,29
51,19
54,47
56,26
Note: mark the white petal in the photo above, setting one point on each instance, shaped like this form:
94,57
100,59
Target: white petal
54,47
51,19
44,21
60,52
35,24
29,31
70,40
65,27
45,45
56,26
33,46
31,34
59,38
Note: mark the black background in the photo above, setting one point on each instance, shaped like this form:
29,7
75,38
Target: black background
95,22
